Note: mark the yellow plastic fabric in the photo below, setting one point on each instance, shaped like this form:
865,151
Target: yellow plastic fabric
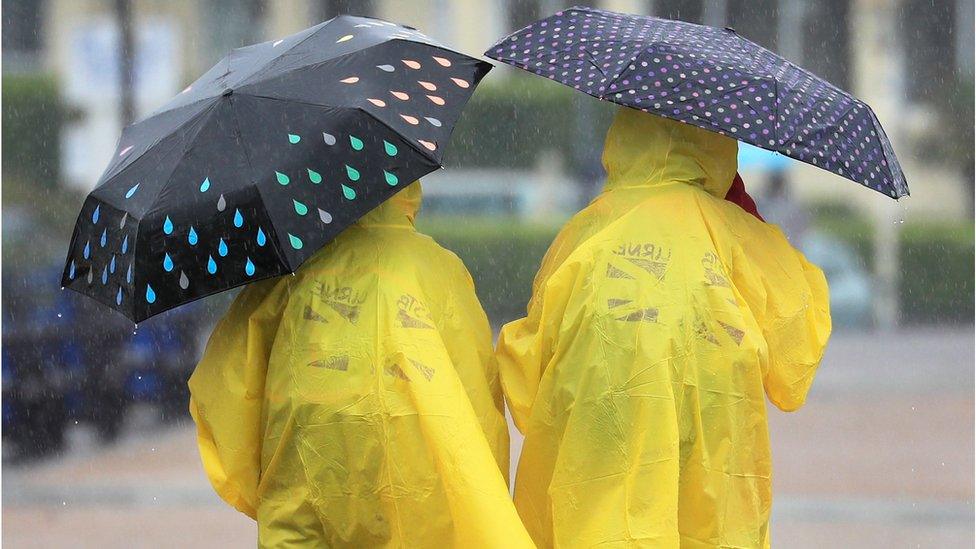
659,318
357,403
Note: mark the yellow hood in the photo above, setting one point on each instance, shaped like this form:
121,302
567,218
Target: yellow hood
644,150
400,209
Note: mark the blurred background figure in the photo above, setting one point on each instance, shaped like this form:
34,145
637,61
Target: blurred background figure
883,453
779,207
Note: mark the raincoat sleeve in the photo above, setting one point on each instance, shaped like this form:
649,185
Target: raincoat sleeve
227,390
789,299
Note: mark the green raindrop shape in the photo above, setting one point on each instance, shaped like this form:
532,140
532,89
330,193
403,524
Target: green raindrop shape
391,179
300,209
314,176
390,148
348,192
282,178
293,139
295,241
353,173
357,144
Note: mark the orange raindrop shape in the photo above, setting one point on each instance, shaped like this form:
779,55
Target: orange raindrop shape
430,146
350,80
442,62
377,102
411,63
435,100
427,85
460,83
410,119
400,95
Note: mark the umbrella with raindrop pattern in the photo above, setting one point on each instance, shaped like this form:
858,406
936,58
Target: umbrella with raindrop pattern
263,160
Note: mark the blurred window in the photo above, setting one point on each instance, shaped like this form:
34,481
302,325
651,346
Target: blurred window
927,36
683,10
755,19
22,36
522,12
826,41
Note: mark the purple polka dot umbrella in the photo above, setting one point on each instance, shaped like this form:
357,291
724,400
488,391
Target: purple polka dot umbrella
711,78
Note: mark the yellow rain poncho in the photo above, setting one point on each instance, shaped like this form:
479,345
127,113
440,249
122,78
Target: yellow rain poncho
357,403
660,317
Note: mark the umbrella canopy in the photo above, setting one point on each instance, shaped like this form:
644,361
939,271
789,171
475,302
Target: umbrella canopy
264,159
711,78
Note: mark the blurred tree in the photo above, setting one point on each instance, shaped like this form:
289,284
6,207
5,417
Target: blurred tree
123,18
33,117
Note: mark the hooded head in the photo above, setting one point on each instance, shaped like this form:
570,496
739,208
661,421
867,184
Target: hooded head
400,209
645,150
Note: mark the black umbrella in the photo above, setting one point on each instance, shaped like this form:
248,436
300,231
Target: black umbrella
264,159
711,78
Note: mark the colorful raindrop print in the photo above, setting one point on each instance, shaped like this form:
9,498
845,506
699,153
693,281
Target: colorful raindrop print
314,176
352,173
325,216
345,38
128,274
433,121
221,204
71,270
428,145
105,274
111,265
410,119
282,178
385,68
168,226
104,238
222,248
238,218
436,100
184,281
167,263
441,61
205,186
118,296
391,179
411,63
211,265
125,217
350,80
348,192
129,148
390,148
300,209
91,276
191,236
150,294
355,143
377,102
249,267
400,95
95,214
329,140
261,238
132,190
125,244
294,139
87,251
295,241
461,83
429,86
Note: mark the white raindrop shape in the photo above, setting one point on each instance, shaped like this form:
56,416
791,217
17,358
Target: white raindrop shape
325,216
328,138
221,203
184,281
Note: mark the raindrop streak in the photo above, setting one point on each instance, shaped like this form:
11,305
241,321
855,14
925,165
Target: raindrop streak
282,178
261,238
221,203
184,281
205,186
150,294
293,139
300,209
111,265
90,277
102,241
391,179
71,270
87,251
118,296
125,217
128,274
211,265
314,176
168,226
222,248
105,274
249,268
348,192
95,213
390,148
356,143
125,244
191,236
325,216
352,173
167,263
132,191
295,241
238,219
328,138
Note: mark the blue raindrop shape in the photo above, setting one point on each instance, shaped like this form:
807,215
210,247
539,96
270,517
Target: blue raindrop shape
261,238
249,267
87,252
191,236
125,243
211,265
205,186
104,237
132,191
71,271
222,248
118,296
150,294
105,274
128,274
96,213
238,219
168,226
167,263
111,265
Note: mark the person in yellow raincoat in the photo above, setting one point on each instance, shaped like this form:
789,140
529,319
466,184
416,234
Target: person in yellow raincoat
357,403
661,319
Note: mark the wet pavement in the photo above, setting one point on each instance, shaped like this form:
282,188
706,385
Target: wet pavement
881,456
